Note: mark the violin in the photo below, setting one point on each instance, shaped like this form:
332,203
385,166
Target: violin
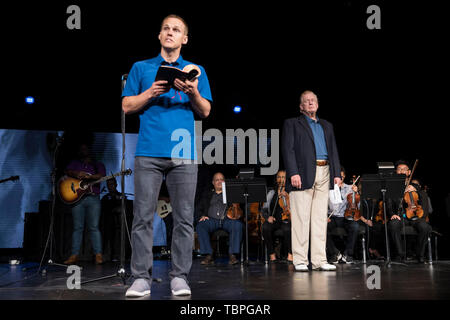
414,211
256,219
352,212
234,212
380,214
283,201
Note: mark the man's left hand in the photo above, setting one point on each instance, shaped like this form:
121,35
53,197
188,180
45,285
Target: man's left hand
188,87
337,181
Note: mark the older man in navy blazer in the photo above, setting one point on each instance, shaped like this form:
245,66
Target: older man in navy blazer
312,167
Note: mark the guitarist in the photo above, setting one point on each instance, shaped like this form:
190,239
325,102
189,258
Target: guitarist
88,208
395,225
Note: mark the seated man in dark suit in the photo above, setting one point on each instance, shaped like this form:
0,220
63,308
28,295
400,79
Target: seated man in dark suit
213,214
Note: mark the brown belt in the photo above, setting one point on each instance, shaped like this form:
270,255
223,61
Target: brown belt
321,163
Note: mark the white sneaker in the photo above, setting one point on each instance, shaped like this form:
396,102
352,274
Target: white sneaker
301,267
180,287
139,288
326,267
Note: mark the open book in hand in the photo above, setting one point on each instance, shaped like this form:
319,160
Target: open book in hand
168,73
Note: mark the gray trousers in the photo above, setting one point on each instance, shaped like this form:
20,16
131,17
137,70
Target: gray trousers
181,181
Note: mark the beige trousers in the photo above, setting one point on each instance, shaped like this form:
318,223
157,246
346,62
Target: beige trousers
309,213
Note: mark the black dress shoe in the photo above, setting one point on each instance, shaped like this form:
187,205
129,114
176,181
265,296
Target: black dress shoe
421,260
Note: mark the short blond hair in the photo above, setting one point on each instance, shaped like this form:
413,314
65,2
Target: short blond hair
186,29
305,93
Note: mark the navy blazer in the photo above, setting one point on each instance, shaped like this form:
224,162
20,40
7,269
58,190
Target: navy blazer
299,152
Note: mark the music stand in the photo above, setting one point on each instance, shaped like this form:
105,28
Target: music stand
390,186
245,189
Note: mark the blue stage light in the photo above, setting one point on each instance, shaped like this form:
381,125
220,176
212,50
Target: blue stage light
29,100
237,109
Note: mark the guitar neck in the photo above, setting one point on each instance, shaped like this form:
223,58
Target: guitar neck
10,179
104,178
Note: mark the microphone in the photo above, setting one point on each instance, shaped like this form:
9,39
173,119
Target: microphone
59,138
124,80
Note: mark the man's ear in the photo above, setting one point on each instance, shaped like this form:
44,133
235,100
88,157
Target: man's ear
159,36
185,40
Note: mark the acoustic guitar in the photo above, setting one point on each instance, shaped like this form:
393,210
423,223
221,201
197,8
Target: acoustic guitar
71,190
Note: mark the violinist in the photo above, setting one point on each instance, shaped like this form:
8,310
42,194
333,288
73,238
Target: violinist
276,213
214,215
336,219
418,219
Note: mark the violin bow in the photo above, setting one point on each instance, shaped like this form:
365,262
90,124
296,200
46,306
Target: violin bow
412,172
407,184
331,214
356,180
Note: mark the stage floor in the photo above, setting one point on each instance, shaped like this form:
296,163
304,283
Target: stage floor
239,282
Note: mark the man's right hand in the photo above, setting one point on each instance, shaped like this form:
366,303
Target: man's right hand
395,217
296,181
270,219
203,218
158,88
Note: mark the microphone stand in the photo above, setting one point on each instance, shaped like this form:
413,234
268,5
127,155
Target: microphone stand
121,273
247,261
52,216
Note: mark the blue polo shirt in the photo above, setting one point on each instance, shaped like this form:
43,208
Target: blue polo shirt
163,115
319,138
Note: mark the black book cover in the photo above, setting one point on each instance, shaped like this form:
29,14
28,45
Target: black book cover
169,73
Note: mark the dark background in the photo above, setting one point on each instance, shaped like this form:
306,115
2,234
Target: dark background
382,89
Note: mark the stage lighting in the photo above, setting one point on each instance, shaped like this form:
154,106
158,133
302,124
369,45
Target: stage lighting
237,109
29,100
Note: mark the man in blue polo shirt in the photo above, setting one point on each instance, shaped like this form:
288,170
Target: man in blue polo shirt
164,110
